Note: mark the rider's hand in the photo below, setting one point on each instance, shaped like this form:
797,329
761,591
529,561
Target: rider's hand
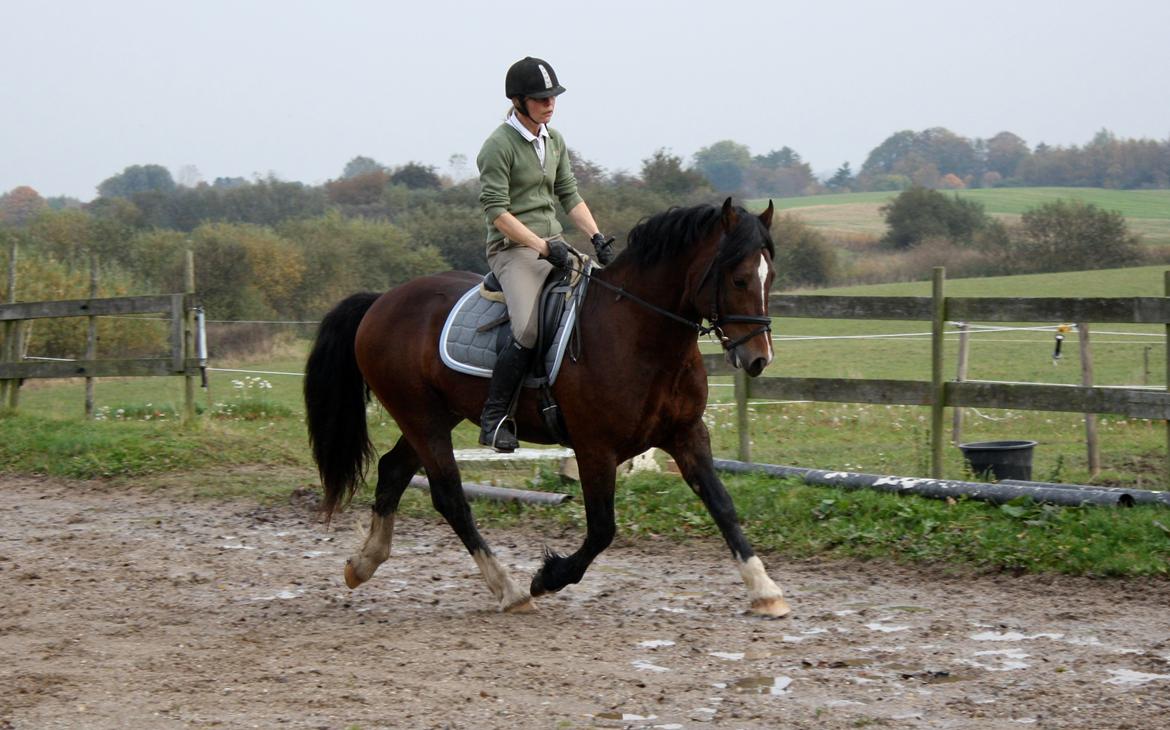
558,254
604,248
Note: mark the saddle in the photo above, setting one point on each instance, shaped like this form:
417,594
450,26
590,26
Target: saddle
476,330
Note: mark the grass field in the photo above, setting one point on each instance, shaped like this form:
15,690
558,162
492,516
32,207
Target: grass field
1146,211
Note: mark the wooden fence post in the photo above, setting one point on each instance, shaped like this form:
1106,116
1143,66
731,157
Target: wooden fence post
1091,444
742,423
960,376
1166,290
937,387
7,353
91,335
189,336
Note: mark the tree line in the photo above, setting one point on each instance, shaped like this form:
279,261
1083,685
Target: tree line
274,249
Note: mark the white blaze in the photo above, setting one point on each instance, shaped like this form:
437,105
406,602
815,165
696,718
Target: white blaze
763,273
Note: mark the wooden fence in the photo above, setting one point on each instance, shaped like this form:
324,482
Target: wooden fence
182,360
939,394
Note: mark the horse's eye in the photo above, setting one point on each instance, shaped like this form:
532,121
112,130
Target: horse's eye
739,283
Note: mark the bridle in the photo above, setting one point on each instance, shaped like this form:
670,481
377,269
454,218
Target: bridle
717,318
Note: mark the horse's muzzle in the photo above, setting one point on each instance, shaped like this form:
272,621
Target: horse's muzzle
753,366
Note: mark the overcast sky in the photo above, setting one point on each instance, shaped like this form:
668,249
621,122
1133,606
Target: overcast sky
296,88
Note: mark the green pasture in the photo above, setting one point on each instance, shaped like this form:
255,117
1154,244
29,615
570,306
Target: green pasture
1146,211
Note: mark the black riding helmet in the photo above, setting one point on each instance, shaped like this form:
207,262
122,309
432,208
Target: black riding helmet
532,78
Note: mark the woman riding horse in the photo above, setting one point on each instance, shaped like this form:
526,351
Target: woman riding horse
638,336
523,172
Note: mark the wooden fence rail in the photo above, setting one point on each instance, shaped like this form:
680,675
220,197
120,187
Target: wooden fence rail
183,360
938,309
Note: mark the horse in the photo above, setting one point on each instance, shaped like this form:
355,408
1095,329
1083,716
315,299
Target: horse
638,382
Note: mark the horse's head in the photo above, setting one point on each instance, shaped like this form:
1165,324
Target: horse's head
737,282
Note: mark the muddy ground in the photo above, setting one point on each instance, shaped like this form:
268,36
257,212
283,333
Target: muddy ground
127,608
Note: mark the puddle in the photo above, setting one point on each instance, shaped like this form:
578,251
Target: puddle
1130,678
655,643
1011,636
886,628
731,656
647,666
1010,661
929,676
283,595
838,663
763,685
623,716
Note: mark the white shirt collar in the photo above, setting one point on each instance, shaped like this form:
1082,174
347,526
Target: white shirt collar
516,124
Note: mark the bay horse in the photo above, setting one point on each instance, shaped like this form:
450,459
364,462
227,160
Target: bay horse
638,383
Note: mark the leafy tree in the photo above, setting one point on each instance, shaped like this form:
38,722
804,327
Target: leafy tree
920,213
724,164
783,157
245,271
1069,234
361,189
416,176
456,230
20,205
137,179
361,166
923,156
1004,152
842,180
588,173
663,173
345,255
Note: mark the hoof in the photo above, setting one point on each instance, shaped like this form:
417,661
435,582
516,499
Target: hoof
351,577
524,605
771,607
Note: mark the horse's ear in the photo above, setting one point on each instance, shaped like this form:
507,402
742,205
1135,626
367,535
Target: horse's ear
730,218
766,216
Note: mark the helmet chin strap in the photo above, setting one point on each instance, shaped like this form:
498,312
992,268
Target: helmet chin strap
521,107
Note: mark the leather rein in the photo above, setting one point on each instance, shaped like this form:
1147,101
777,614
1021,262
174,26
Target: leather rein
717,318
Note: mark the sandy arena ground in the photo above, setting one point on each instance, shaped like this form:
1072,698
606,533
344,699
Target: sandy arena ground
127,608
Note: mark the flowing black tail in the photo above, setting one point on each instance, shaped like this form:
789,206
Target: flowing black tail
335,403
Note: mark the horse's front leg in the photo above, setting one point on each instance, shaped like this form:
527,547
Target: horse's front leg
597,487
691,450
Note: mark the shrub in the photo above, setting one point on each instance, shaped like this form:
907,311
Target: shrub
803,256
1066,235
920,213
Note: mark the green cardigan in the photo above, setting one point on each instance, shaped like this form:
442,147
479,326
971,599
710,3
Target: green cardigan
512,180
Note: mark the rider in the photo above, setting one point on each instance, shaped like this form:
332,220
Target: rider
524,170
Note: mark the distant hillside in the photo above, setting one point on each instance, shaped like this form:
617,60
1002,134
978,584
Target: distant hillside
1146,211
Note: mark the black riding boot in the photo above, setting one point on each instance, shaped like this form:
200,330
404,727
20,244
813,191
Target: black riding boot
496,429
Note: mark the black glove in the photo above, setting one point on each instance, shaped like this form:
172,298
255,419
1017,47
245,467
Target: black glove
558,254
604,248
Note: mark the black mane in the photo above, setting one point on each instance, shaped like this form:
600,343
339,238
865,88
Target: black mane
676,230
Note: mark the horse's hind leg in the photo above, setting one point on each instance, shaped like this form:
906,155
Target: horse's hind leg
448,498
395,469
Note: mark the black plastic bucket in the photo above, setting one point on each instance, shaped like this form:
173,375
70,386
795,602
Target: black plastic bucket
1003,459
